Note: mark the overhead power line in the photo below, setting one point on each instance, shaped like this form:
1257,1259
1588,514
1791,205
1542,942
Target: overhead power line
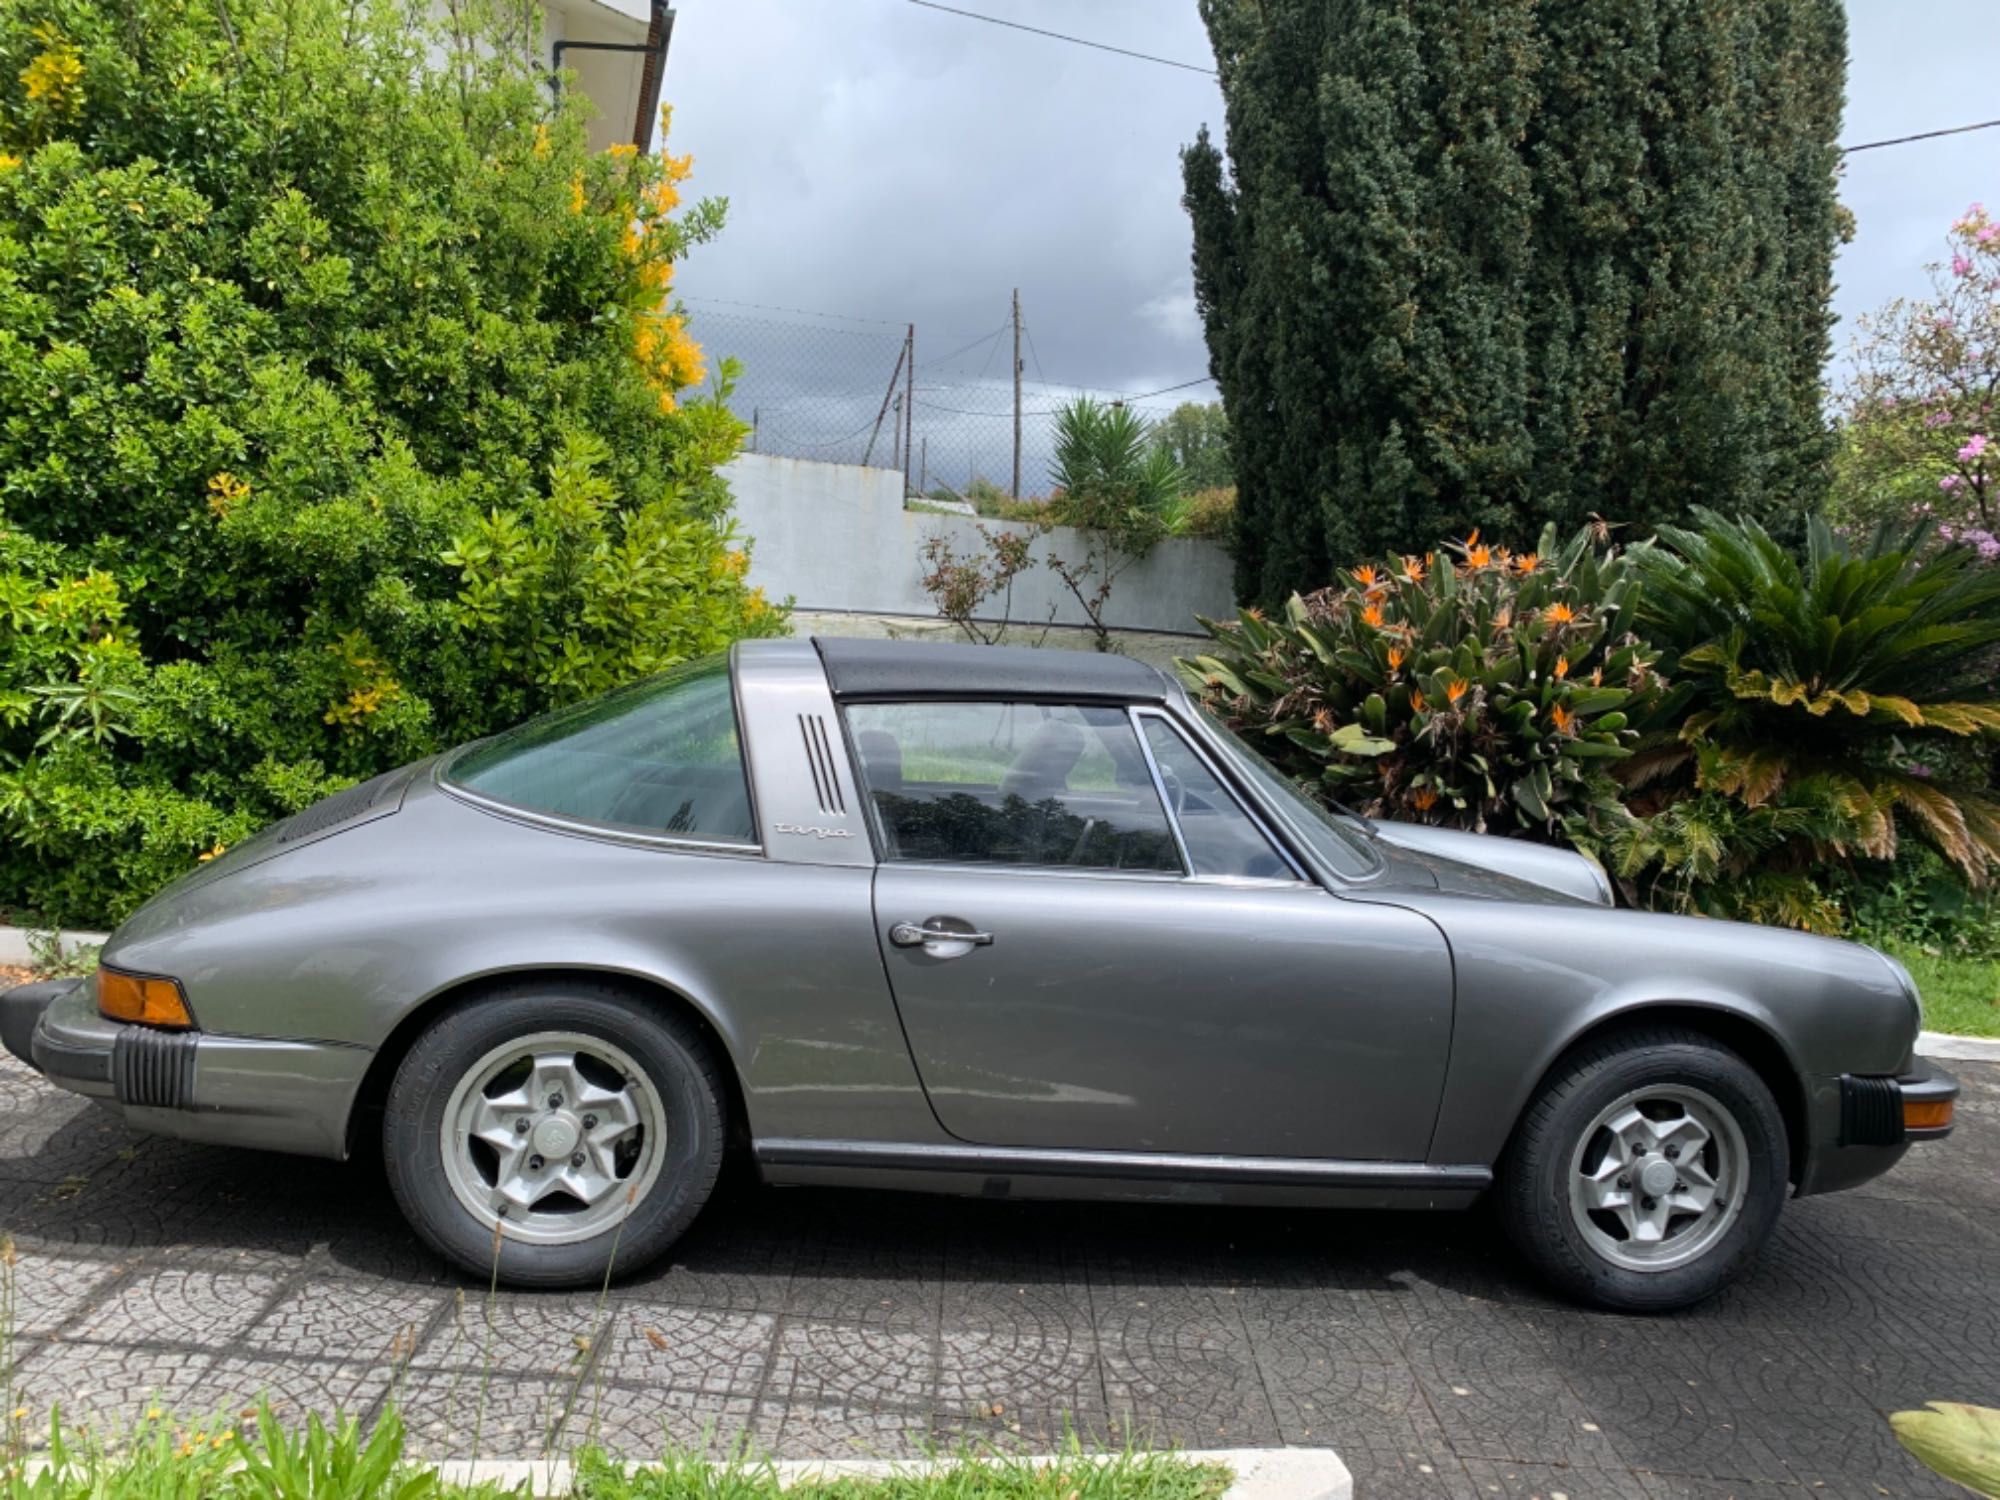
1927,135
973,15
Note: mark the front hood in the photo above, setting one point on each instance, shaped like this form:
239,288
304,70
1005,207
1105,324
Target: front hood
1500,869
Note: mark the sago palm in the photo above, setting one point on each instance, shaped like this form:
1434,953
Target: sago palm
1865,671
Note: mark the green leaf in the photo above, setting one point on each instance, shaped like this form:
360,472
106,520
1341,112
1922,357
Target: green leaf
1960,1442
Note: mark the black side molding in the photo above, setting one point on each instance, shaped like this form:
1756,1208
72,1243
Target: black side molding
1125,1166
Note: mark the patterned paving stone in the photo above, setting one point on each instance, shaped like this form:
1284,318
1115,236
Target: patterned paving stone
108,1389
715,1351
205,1309
1512,1481
545,1336
1498,1393
806,1431
335,1318
1180,1364
820,1363
49,1290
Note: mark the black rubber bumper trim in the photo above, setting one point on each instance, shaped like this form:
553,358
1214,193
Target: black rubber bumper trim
1871,1108
21,1011
154,1068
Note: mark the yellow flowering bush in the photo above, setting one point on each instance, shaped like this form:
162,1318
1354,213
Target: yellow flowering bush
329,435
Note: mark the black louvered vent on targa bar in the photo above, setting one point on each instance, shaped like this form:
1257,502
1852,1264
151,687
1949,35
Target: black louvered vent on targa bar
825,769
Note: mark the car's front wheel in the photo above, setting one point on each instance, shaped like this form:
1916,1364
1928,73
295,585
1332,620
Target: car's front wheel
1647,1172
570,1131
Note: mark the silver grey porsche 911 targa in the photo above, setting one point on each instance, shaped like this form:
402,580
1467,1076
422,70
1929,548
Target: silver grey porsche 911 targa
974,920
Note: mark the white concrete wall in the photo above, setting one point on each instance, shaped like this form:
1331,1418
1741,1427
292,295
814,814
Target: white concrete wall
836,538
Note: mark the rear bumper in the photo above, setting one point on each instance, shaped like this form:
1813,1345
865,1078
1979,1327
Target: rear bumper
225,1090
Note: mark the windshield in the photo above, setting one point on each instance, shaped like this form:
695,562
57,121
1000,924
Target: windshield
1337,842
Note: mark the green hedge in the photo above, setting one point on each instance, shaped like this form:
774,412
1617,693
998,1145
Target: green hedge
344,414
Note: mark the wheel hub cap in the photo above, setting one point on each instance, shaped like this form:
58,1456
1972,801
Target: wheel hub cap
1658,1178
553,1137
557,1135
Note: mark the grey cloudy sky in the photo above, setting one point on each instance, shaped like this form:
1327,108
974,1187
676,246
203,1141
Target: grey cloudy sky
891,162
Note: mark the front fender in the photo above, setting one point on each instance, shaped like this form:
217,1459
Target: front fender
1533,979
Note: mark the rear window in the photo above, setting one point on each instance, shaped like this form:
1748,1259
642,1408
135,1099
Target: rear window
661,756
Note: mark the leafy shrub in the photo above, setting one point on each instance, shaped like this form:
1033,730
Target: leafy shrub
330,432
1113,485
1204,513
1473,688
1818,706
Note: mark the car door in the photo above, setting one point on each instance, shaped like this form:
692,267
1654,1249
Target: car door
1075,967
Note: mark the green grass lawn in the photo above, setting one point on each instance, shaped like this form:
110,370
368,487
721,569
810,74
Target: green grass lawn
1961,995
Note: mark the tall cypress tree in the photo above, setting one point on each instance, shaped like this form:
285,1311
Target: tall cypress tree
1497,263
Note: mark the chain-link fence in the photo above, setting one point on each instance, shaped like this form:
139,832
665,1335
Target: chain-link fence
846,390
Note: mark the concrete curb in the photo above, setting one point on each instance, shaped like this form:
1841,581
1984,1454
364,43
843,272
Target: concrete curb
1261,1473
1958,1048
14,944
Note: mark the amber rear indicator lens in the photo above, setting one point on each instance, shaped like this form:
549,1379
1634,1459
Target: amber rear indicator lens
151,1002
1926,1114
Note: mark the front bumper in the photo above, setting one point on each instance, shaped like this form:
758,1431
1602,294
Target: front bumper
1863,1123
226,1090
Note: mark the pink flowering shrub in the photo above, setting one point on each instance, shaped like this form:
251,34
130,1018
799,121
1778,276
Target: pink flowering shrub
1918,412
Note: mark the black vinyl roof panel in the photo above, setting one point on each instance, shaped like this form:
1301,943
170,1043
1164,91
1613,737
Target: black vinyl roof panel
942,669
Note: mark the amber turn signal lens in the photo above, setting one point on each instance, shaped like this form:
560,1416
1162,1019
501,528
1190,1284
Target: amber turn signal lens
153,1002
1926,1114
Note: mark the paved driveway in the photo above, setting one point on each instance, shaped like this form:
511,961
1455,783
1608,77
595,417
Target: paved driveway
194,1279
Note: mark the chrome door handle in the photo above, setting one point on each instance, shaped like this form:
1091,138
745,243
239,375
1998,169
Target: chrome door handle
911,935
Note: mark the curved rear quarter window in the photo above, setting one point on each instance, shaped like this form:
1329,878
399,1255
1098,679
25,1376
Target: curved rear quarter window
661,756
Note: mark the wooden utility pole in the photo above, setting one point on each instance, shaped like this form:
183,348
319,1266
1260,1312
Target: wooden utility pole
896,434
909,402
1016,490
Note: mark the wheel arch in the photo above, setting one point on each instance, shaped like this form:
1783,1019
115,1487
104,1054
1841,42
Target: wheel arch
365,1113
1747,1036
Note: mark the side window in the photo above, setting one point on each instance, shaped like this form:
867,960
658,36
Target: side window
1221,839
660,756
1011,784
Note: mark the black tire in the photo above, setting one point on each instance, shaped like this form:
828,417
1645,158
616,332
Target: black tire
1532,1194
671,1051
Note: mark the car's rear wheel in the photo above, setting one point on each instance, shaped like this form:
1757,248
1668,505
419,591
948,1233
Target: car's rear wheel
1647,1172
571,1130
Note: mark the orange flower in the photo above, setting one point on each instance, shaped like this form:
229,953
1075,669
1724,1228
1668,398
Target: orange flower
1456,689
1372,615
1527,562
1477,557
1423,799
1562,667
1414,569
1559,614
1502,557
1416,701
1324,721
1367,577
1502,620
1597,677
1562,718
1395,658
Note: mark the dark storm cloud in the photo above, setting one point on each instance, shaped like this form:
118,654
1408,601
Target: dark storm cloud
887,161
